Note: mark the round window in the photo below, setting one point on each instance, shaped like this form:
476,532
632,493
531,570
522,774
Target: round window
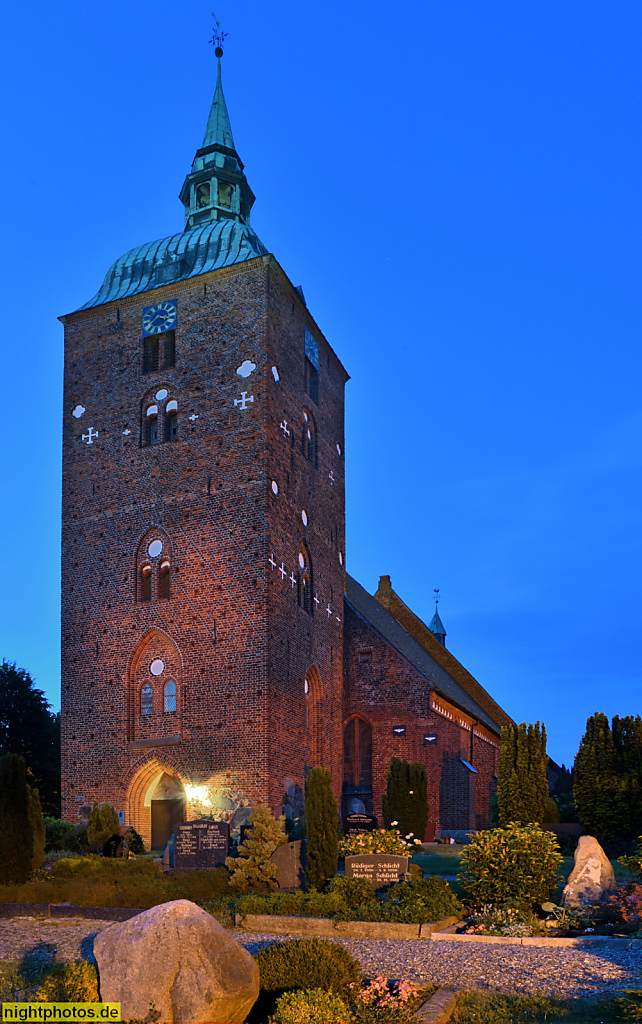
275,487
161,395
157,667
155,548
301,561
304,517
340,558
306,687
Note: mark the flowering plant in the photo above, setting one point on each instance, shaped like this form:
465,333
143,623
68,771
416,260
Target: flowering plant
380,840
379,1000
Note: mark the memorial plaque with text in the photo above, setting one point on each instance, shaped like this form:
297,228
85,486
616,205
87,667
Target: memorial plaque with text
201,844
357,824
381,868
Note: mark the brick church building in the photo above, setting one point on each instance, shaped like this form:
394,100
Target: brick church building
213,645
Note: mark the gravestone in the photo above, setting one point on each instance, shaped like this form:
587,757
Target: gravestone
290,860
381,868
357,824
201,844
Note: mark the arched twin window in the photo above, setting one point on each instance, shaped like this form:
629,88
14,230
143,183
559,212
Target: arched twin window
147,698
308,437
306,597
160,418
154,568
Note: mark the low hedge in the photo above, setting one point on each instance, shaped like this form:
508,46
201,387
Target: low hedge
414,902
111,882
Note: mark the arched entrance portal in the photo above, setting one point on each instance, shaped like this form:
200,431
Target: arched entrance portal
156,803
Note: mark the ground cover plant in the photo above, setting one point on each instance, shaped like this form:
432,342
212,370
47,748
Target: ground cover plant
111,882
484,1008
380,840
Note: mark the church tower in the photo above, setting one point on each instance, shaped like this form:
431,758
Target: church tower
203,523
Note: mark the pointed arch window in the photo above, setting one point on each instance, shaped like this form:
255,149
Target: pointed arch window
147,699
357,753
308,437
306,600
169,696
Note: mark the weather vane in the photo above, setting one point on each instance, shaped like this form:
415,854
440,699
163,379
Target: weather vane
218,37
436,598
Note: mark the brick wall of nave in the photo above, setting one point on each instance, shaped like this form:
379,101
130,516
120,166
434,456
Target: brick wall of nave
388,692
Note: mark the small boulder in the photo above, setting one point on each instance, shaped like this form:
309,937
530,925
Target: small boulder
592,875
180,959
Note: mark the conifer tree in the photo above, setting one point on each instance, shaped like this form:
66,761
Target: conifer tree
405,800
522,789
253,868
16,835
605,779
37,823
322,845
103,823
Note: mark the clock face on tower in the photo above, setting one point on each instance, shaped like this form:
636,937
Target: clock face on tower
159,318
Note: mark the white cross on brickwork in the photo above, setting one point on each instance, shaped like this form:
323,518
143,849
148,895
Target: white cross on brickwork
293,580
283,571
126,433
316,601
272,562
331,477
329,611
193,417
284,428
243,400
90,435
338,618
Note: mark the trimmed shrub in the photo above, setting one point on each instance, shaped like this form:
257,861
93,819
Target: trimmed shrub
353,891
519,863
37,828
432,898
103,823
322,846
405,802
134,841
16,834
60,835
69,983
312,1006
305,964
252,867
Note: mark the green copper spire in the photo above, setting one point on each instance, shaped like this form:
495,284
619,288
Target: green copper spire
218,124
436,626
216,188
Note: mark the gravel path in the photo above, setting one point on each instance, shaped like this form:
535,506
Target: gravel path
565,972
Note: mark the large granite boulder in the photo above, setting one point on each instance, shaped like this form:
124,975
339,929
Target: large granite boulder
180,959
592,875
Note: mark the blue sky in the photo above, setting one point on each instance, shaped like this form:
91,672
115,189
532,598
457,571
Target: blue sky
456,186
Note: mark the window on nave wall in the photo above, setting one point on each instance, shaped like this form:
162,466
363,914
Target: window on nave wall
357,753
153,567
160,417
